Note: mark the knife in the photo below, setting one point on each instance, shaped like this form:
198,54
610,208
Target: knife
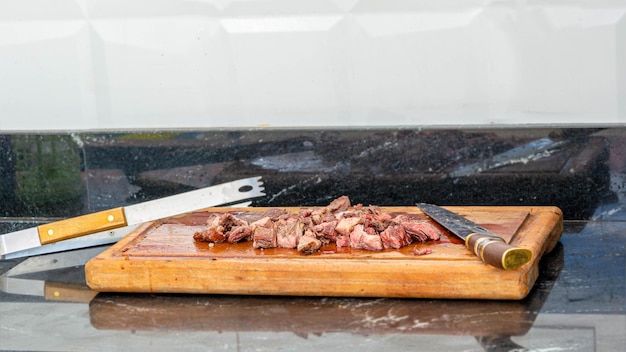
486,245
105,220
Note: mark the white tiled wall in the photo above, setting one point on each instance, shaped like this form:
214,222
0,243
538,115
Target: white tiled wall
88,64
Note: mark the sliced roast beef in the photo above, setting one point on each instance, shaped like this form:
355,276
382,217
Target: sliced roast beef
361,239
422,251
345,225
209,235
340,204
308,243
358,226
395,237
288,231
263,222
342,241
218,227
276,213
239,233
264,237
326,231
421,230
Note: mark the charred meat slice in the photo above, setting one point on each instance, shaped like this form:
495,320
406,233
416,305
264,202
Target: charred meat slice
219,227
346,225
239,233
358,226
308,244
209,235
326,231
395,237
276,213
423,251
342,241
288,231
263,222
361,239
421,230
340,204
264,237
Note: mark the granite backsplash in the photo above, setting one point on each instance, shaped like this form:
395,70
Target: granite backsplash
64,174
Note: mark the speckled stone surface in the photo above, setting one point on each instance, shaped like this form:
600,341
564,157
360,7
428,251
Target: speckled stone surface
563,167
578,303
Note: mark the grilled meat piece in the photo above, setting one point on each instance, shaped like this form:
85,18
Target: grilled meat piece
358,226
219,228
421,230
288,231
360,238
308,244
395,237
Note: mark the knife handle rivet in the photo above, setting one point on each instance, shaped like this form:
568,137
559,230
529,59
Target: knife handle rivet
110,218
51,232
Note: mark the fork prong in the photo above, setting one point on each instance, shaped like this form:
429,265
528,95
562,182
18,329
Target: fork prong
260,185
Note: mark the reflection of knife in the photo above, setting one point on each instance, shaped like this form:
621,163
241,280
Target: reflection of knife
489,247
11,283
130,215
50,290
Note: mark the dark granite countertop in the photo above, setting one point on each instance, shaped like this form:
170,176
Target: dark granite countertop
577,304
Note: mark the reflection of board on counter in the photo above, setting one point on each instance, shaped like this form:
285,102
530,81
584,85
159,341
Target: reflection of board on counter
310,315
163,257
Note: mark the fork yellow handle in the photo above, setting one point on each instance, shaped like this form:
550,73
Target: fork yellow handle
81,225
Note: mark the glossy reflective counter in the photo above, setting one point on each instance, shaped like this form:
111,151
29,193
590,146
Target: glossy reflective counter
577,304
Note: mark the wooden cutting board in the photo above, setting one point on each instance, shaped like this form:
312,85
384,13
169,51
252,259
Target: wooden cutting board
162,257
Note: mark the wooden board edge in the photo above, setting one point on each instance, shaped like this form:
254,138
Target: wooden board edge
514,285
114,251
293,277
547,220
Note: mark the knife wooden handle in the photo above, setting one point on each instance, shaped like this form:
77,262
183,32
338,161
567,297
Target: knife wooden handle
494,251
81,225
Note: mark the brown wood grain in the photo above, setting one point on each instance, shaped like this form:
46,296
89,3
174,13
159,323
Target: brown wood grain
163,257
81,225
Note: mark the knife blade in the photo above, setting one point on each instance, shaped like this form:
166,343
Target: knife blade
486,245
105,220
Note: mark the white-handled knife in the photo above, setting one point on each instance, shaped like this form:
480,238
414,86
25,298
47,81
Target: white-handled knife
15,243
